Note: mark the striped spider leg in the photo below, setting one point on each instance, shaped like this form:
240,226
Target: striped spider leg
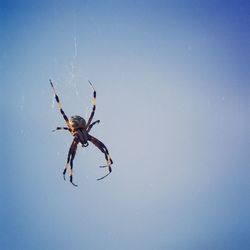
71,156
60,107
104,150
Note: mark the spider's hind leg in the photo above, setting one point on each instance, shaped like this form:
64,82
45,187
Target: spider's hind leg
70,159
104,150
110,170
67,164
71,168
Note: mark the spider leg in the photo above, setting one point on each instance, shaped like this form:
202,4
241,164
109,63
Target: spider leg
92,124
60,105
67,164
70,158
104,150
105,175
94,107
71,165
60,128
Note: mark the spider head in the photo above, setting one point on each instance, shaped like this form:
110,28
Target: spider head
77,122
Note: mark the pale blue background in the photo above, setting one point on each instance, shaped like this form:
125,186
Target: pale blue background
173,97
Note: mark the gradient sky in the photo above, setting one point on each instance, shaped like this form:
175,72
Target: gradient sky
173,97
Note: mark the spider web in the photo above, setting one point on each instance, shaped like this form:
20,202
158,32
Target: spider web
73,73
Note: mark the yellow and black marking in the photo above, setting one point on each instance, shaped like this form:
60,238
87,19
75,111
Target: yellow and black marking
60,105
94,106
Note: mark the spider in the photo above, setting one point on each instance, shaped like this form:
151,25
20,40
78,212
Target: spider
78,127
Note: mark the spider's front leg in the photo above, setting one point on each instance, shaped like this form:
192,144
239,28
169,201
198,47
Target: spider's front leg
60,106
92,124
93,108
70,159
104,150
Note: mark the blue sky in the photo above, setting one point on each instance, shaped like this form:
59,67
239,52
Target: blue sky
173,97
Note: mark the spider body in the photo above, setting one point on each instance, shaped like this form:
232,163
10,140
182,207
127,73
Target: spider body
80,129
77,122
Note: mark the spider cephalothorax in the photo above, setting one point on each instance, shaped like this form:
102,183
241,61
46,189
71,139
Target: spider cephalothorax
77,122
78,127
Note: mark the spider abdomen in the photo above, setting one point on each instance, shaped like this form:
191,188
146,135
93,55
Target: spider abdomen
77,122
